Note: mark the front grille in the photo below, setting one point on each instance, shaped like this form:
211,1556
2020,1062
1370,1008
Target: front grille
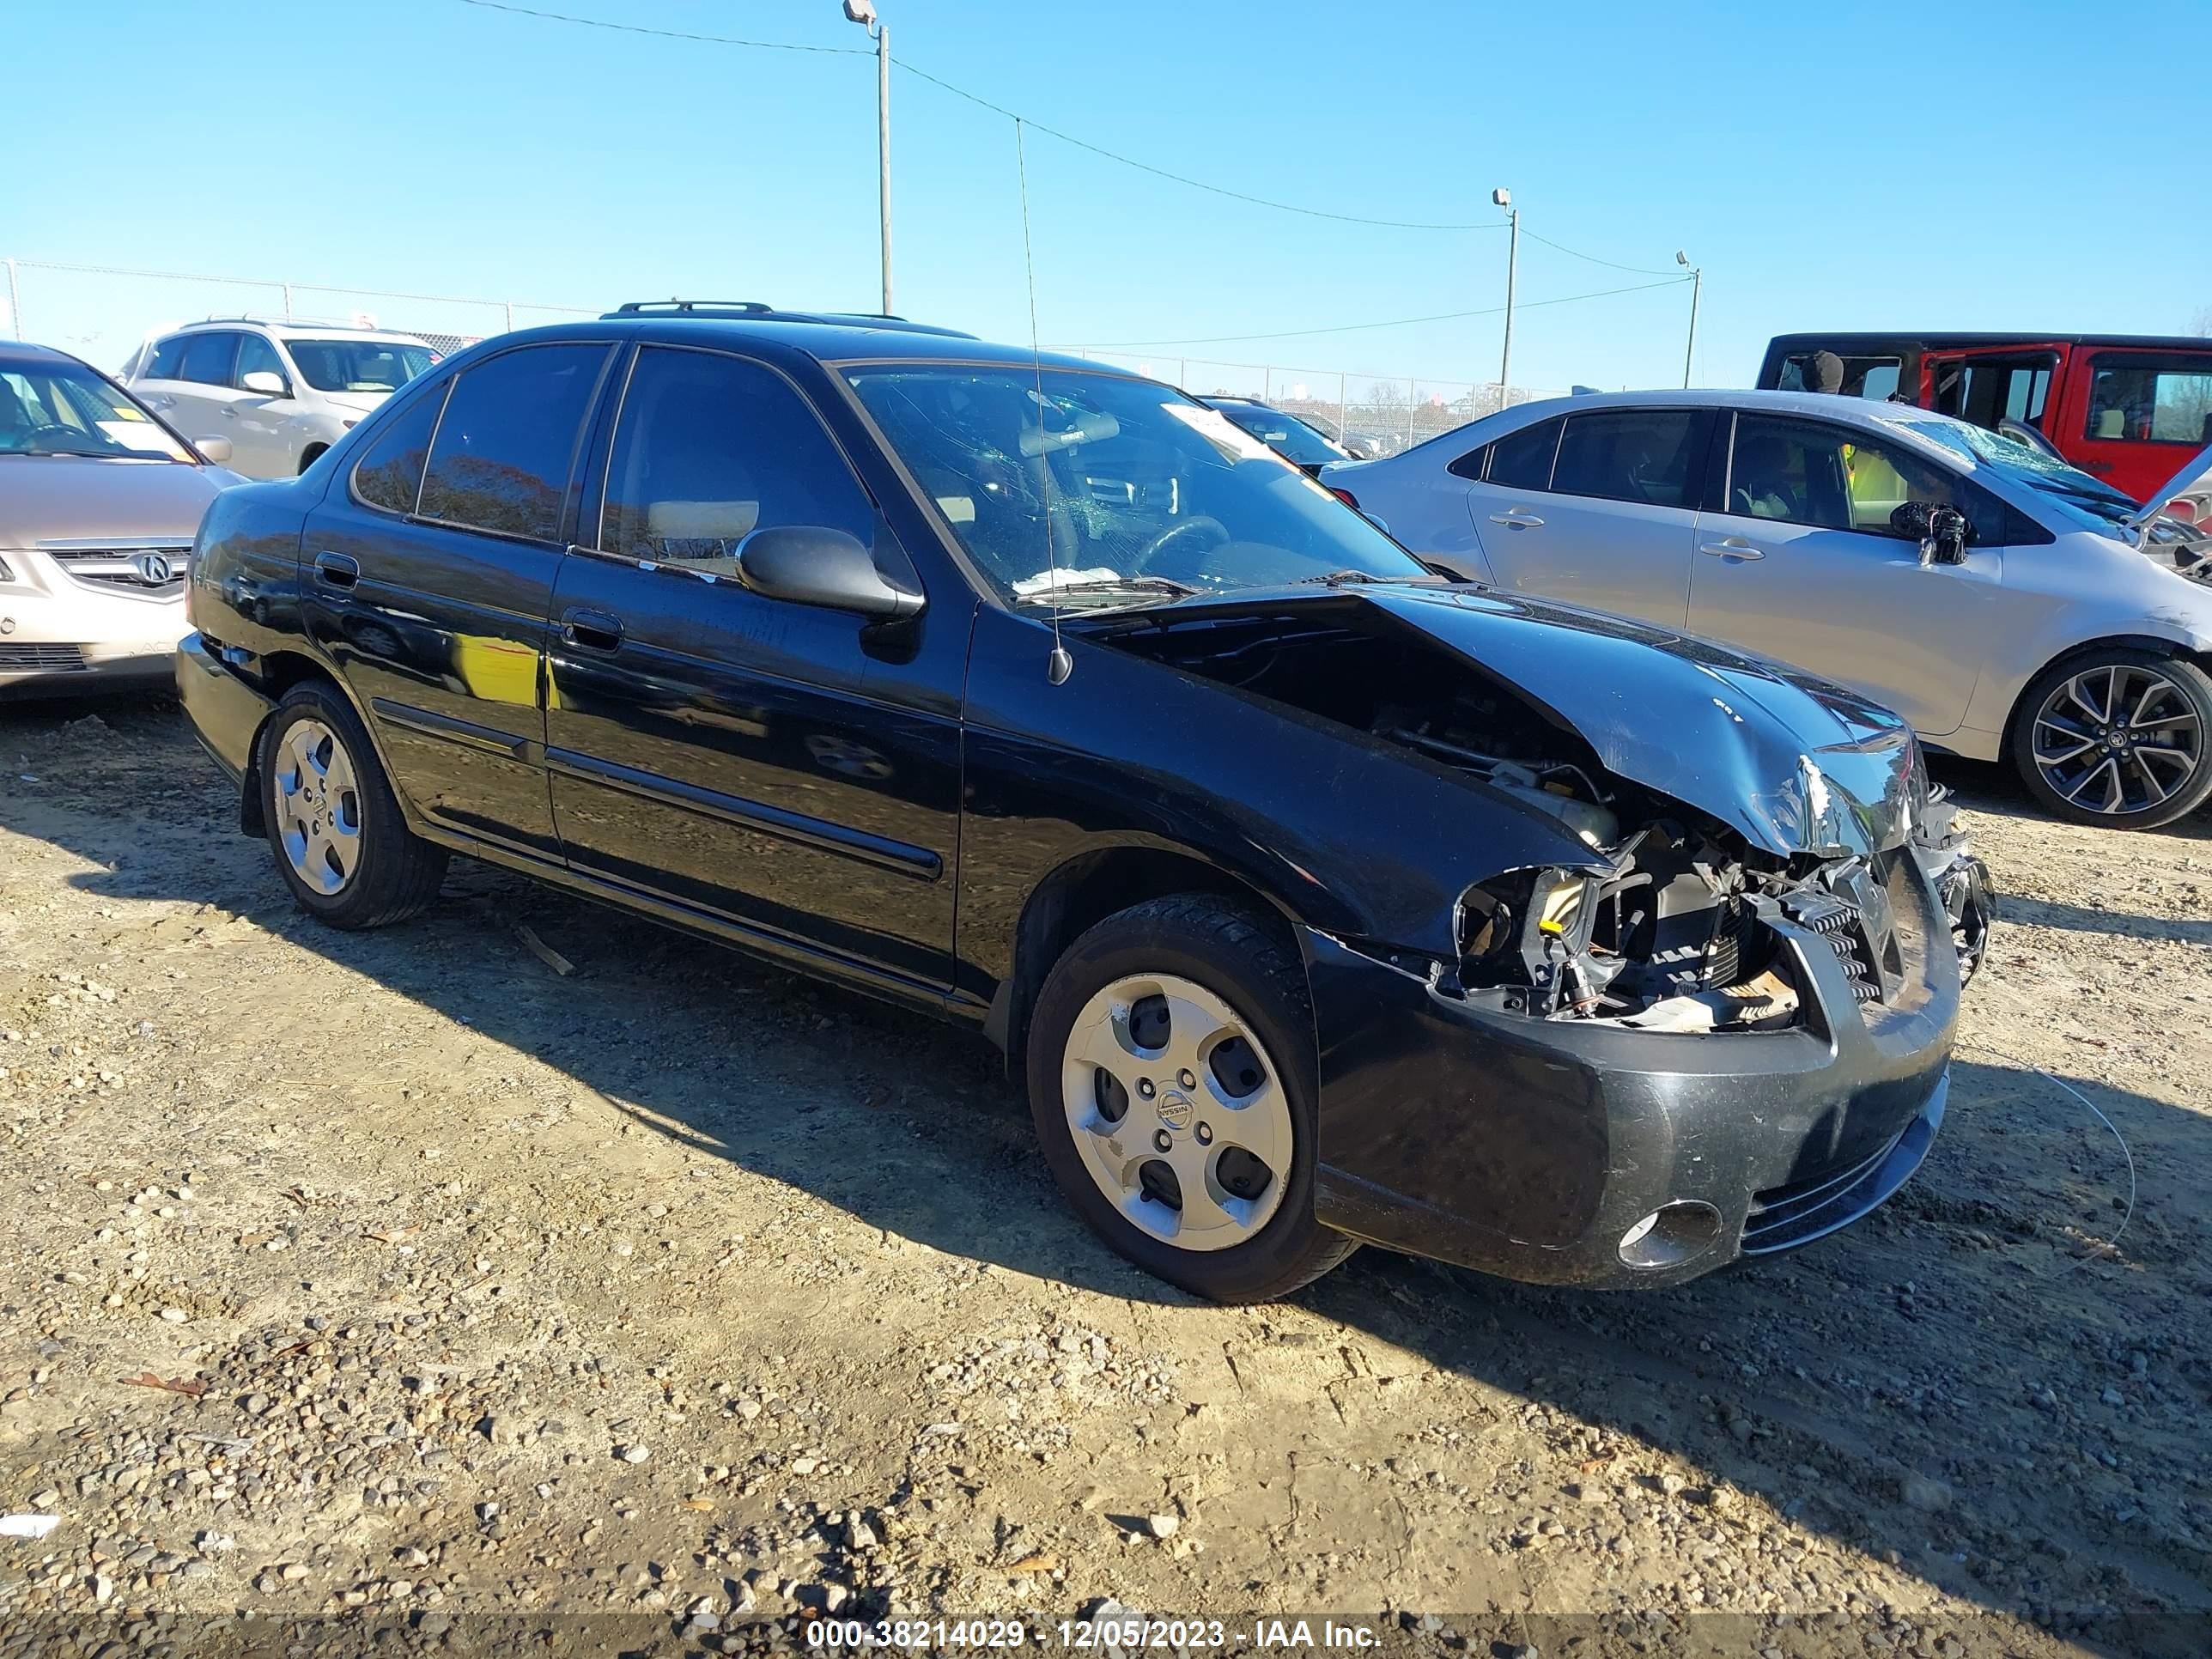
115,568
56,659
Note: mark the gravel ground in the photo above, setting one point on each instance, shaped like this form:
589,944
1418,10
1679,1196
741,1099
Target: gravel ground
401,1278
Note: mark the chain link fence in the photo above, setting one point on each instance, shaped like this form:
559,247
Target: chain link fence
1373,413
104,313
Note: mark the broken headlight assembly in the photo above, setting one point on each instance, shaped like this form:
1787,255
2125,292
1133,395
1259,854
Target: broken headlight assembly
1668,937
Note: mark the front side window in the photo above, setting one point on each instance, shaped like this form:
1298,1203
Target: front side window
2134,399
1105,490
358,365
1807,473
208,358
501,459
255,353
1649,455
1522,459
65,408
709,448
390,474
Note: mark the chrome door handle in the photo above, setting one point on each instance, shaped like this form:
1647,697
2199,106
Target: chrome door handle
1517,519
230,412
1732,547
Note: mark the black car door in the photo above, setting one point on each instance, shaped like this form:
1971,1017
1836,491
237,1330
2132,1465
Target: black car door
785,767
428,572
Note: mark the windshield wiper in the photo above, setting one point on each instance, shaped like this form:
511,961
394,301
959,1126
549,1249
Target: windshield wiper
1166,584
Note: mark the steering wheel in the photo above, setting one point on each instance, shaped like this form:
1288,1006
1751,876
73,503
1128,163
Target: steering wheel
1183,529
51,430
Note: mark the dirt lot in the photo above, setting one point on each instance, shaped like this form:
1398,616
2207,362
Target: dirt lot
399,1273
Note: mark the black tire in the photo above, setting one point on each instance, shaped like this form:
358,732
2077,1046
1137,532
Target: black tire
2191,694
396,873
1238,956
311,454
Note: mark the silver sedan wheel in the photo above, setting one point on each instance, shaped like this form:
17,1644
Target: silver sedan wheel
1177,1111
2120,738
319,807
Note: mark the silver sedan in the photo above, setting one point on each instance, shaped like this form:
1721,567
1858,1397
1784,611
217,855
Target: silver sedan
2006,603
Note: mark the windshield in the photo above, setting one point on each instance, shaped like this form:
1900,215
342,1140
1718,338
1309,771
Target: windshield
1141,491
2085,500
1287,435
66,409
358,365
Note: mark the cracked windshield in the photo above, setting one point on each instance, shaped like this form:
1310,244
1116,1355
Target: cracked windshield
1143,494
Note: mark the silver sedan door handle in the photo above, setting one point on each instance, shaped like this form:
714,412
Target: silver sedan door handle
1731,547
1517,519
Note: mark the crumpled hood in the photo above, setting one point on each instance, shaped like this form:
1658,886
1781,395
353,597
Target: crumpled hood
1796,763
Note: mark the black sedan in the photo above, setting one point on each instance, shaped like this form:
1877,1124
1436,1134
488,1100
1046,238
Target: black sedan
1316,899
1301,443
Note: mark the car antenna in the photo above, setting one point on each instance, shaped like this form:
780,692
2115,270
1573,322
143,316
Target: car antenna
1060,664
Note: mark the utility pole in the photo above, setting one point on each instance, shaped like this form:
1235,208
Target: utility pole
1503,198
863,12
1697,292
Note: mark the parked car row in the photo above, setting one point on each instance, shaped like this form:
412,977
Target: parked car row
1318,898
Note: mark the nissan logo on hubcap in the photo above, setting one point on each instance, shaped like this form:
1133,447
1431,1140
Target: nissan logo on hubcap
153,570
1176,1110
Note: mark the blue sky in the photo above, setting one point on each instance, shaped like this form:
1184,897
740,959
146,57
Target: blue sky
1866,165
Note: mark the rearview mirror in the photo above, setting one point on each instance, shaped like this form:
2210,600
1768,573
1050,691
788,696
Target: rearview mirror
266,381
1940,530
812,564
216,450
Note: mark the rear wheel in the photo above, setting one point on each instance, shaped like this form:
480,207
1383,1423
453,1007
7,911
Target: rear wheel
2118,737
341,843
1172,1078
311,454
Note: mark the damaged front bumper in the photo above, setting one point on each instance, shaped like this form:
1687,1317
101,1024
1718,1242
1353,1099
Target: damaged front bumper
1585,1152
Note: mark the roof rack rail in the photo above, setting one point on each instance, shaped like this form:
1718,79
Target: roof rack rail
291,322
689,307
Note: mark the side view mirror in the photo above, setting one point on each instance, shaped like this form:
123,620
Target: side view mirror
811,564
1940,530
1376,522
266,381
216,450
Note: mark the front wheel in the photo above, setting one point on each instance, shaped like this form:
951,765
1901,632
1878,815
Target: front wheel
341,843
2117,737
1171,1078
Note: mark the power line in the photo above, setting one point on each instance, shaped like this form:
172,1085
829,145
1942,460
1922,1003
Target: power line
984,103
1396,322
1640,271
665,35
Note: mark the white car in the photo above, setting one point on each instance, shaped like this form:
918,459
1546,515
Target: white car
282,392
2006,603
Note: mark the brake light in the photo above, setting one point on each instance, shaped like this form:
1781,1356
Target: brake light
1345,497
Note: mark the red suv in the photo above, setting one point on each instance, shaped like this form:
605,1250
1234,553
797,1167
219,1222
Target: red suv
2129,408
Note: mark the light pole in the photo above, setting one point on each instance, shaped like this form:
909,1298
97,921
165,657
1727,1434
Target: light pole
1697,292
1503,198
863,12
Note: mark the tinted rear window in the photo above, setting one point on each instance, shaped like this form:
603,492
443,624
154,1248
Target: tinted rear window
502,458
1522,459
1648,456
390,474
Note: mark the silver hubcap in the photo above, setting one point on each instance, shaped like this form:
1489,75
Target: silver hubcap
318,807
1177,1111
2119,738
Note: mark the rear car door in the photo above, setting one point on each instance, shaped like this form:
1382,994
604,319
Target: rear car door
1611,525
429,573
1797,560
202,391
156,380
784,767
2137,416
